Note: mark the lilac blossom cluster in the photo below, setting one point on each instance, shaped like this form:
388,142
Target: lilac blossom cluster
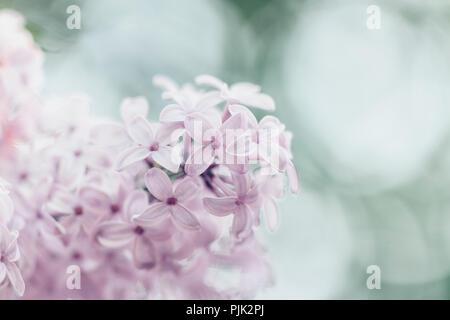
145,210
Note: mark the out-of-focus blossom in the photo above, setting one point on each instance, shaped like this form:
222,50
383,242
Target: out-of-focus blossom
10,275
136,207
172,200
239,93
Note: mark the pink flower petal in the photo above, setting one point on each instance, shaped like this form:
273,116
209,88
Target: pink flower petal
152,214
241,183
245,87
109,134
186,189
209,100
271,214
171,113
165,83
236,108
144,253
270,122
132,108
199,161
257,100
95,199
6,238
6,208
241,226
2,272
252,195
131,156
293,177
12,254
169,133
210,81
197,124
140,131
220,206
168,158
184,217
135,203
158,184
236,121
113,234
15,278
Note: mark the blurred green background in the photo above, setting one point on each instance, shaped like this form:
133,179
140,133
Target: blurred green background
369,109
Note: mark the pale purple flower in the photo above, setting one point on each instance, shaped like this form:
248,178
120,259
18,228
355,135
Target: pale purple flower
9,257
121,233
271,188
136,205
150,143
214,144
6,204
173,201
268,142
239,93
238,202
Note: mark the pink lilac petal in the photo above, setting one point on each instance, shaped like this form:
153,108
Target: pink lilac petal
132,108
144,253
131,156
140,131
184,218
293,177
220,206
172,113
167,158
186,190
152,215
199,160
135,203
271,214
109,135
158,184
15,278
114,234
241,222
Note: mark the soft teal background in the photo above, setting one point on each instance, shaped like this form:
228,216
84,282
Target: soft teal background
369,109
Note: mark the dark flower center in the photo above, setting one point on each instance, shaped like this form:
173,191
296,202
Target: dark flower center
139,230
78,210
215,144
171,201
154,147
23,176
76,255
114,208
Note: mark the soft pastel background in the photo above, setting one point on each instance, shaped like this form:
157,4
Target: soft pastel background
370,112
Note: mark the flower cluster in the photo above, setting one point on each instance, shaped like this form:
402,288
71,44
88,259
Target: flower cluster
142,209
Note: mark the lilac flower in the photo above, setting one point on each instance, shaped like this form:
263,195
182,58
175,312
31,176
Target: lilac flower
172,199
239,93
271,188
118,234
118,200
6,205
214,144
9,256
238,202
268,142
148,143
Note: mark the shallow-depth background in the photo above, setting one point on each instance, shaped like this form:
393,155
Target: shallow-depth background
369,109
